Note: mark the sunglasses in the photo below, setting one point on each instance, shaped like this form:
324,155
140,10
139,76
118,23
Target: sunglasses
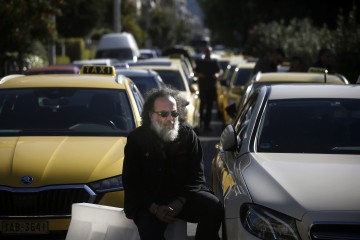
165,114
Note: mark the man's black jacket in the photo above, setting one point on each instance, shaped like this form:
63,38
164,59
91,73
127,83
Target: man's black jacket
160,172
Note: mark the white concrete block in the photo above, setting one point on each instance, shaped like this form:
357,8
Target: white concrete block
98,222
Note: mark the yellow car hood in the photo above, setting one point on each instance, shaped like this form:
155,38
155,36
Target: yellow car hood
59,159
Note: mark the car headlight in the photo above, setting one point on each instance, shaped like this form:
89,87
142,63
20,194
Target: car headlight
108,184
268,224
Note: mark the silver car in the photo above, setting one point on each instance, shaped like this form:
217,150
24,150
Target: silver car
288,167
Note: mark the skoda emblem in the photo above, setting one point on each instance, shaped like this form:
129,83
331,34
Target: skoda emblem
26,179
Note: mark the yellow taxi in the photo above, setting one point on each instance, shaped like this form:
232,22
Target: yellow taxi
222,86
62,141
239,78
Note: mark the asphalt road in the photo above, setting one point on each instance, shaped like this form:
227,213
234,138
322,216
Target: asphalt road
208,141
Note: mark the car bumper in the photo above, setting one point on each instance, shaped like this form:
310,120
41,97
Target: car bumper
47,217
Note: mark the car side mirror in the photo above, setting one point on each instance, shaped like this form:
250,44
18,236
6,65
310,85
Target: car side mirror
228,138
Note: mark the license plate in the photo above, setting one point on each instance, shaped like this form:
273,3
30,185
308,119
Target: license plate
24,227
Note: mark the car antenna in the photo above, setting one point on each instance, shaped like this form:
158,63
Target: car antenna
325,74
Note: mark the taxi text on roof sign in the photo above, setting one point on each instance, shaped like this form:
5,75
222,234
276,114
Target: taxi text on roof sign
97,69
317,70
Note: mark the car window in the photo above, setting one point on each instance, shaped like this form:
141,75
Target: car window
311,126
65,111
172,78
139,100
144,83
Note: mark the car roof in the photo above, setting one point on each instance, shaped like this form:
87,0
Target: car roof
299,77
172,66
56,67
151,62
137,72
96,61
292,91
245,65
147,50
65,80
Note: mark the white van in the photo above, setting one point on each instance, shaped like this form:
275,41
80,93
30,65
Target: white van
121,46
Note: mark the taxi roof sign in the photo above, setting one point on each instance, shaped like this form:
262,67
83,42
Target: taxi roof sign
98,69
317,70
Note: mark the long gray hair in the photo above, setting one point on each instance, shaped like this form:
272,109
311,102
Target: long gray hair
156,93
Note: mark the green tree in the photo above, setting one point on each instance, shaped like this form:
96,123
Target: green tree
23,23
165,29
230,21
80,17
298,37
347,42
128,20
130,24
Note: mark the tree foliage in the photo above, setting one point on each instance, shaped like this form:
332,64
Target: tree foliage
298,37
231,20
346,45
164,29
23,22
80,17
24,25
300,28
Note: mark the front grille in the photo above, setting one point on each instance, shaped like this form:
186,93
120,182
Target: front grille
45,202
335,232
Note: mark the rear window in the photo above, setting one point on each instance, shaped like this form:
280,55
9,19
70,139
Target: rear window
118,53
65,111
172,78
144,84
243,76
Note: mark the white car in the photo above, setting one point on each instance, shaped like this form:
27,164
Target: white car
288,167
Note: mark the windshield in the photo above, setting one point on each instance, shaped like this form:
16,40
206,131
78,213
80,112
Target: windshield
311,126
65,111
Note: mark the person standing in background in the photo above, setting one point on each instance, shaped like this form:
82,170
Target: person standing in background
207,71
325,60
297,64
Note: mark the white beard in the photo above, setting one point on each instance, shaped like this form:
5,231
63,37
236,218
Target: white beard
163,133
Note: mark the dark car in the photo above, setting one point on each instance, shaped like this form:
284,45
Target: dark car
143,79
